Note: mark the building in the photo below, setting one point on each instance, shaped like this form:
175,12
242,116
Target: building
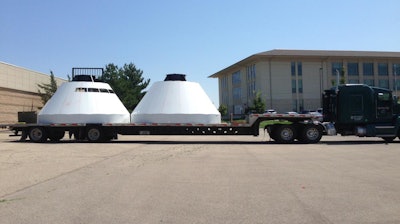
293,80
19,91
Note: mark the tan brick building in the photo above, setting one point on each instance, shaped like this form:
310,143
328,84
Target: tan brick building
293,80
19,91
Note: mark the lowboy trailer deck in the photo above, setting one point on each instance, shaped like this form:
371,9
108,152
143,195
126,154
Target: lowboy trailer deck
283,128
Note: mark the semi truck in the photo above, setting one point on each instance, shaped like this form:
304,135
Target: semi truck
351,109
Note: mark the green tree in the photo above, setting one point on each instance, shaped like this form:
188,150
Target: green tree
258,104
47,90
127,82
223,109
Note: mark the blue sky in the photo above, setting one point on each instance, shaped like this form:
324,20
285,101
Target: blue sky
194,37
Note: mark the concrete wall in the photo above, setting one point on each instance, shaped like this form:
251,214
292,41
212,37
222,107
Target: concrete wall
19,91
12,102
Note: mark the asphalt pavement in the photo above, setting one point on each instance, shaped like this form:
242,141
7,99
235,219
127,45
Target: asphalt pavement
200,179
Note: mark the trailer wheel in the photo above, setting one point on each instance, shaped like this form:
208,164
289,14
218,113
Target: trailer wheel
388,139
94,134
310,134
56,136
273,132
38,134
284,134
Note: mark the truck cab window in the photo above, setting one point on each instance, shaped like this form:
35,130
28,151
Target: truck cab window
384,96
383,105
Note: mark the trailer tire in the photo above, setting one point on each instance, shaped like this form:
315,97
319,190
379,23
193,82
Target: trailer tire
284,133
56,136
38,134
310,133
94,134
388,139
271,131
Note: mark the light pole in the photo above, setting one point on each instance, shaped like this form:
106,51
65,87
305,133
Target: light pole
337,80
320,83
395,82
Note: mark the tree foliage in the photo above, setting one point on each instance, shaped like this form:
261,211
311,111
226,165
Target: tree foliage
258,104
127,82
47,90
223,109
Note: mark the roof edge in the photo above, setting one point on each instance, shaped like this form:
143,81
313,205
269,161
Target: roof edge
31,70
276,53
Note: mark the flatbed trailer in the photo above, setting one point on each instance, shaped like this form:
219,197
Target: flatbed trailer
283,128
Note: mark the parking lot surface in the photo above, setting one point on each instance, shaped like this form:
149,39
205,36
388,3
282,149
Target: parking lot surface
200,179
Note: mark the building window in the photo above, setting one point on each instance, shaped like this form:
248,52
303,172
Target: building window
396,86
383,69
294,86
224,90
238,109
236,78
396,69
301,105
368,68
299,69
300,82
337,66
354,81
251,72
297,83
251,90
352,69
294,105
251,81
237,94
293,68
298,105
369,82
383,83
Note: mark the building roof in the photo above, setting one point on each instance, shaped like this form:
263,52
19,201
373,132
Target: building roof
322,53
280,53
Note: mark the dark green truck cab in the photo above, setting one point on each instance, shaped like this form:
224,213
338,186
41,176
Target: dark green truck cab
362,110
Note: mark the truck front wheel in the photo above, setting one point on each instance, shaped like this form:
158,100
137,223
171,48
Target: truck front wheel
38,134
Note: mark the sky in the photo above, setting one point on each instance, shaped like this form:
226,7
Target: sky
193,37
